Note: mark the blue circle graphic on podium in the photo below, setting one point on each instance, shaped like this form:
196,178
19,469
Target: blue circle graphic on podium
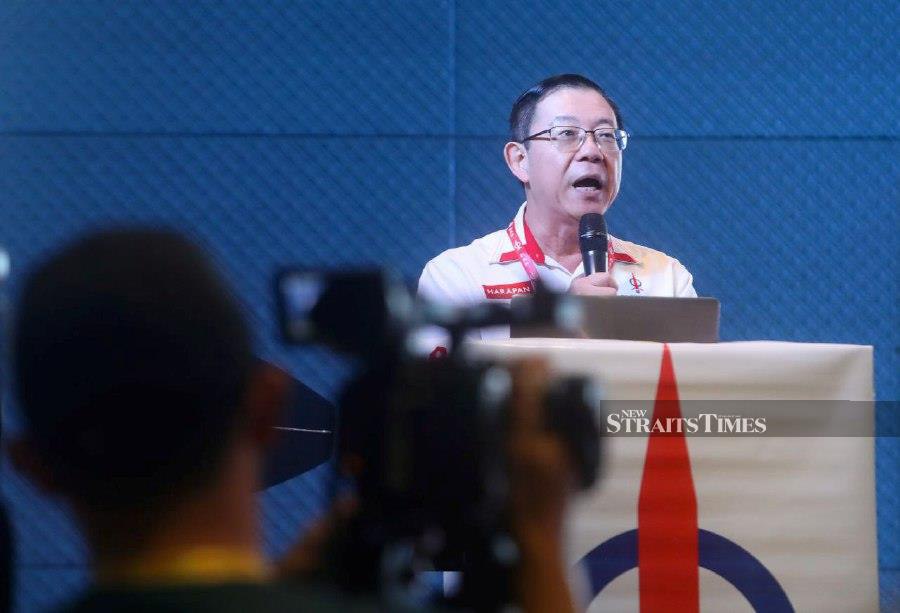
725,558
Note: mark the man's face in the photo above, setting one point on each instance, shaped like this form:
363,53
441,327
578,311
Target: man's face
576,182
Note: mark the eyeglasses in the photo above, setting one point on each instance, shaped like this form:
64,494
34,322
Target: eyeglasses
571,138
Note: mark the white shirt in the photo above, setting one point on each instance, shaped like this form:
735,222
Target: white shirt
489,269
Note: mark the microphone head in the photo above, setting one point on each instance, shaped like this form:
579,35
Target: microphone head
592,232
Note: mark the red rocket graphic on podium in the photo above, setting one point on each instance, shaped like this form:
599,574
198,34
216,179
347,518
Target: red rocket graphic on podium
668,568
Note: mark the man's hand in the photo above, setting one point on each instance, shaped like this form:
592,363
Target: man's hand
597,284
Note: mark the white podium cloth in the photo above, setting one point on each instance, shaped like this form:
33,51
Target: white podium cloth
782,523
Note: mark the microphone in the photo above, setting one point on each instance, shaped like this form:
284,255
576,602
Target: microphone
593,242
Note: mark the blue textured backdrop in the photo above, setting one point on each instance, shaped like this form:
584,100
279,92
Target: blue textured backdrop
764,158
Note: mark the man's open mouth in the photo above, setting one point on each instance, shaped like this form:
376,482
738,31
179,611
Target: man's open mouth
588,184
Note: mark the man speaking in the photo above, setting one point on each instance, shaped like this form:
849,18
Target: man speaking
566,146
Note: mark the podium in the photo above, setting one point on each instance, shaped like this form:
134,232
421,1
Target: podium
768,504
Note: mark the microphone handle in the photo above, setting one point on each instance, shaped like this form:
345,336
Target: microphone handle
594,261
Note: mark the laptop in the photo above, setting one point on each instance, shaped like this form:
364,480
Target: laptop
637,318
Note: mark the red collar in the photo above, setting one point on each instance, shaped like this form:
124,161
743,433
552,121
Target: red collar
531,248
619,256
534,250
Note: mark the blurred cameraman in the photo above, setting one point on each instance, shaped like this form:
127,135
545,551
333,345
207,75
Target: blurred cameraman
146,411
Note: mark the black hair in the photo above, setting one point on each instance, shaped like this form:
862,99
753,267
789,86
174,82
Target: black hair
522,113
131,359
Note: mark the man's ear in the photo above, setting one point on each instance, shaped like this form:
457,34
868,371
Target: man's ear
516,157
26,459
266,399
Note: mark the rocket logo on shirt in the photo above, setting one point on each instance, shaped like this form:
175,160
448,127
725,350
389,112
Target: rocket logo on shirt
635,283
507,290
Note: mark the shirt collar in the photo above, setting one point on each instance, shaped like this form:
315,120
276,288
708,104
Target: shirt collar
529,243
504,254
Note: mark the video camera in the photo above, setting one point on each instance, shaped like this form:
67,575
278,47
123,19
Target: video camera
425,440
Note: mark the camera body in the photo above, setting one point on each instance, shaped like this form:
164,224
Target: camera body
425,440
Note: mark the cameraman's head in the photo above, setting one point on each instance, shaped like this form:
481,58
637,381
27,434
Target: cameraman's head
140,394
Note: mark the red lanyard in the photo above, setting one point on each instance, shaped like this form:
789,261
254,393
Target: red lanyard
527,263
